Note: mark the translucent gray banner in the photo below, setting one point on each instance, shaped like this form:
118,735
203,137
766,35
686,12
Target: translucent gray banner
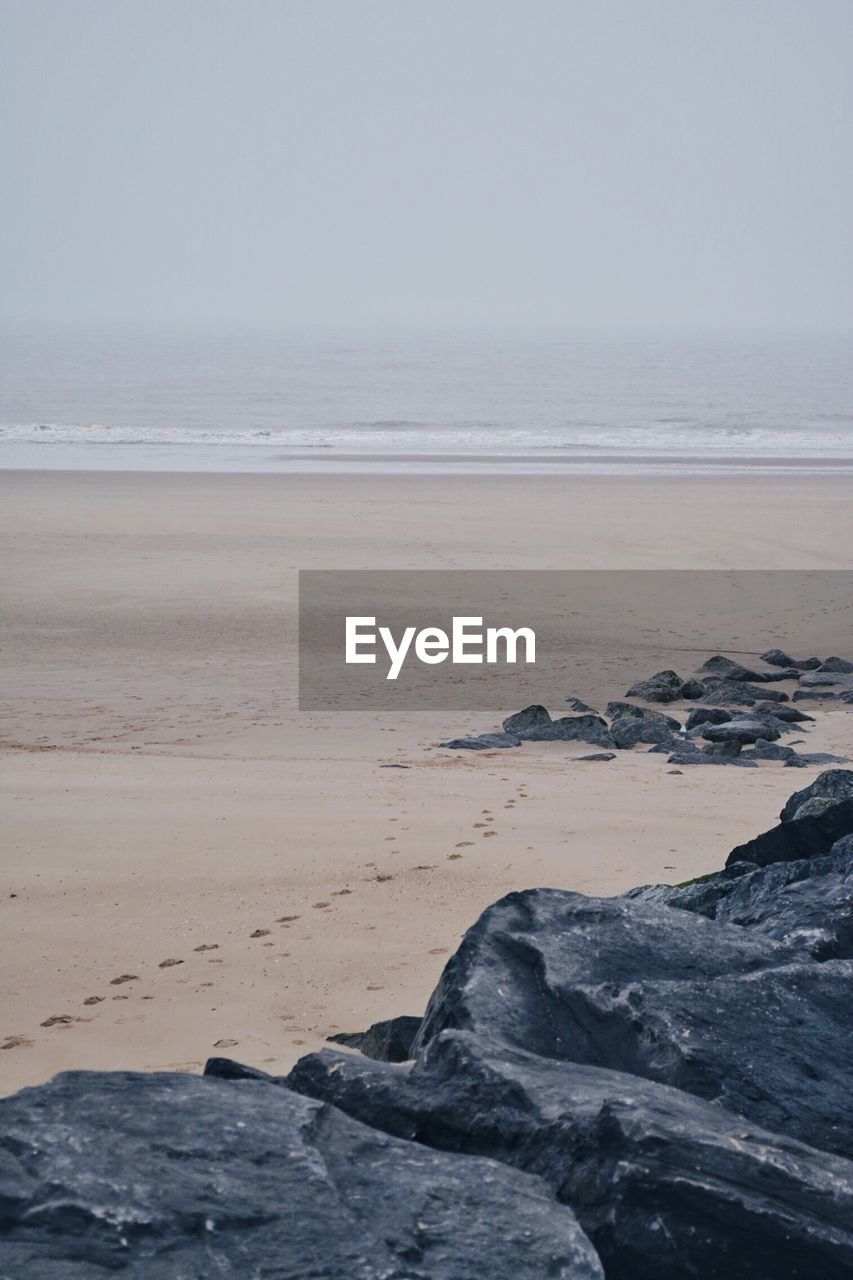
595,632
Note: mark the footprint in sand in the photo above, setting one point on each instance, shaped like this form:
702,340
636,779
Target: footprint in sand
438,951
207,946
452,857
321,905
62,1020
259,933
16,1042
287,919
225,1044
480,824
382,878
168,964
93,1000
341,893
124,977
464,844
489,833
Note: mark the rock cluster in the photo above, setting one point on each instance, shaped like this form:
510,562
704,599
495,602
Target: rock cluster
647,1087
715,730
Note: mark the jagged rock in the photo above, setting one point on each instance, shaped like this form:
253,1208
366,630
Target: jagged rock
667,1186
814,695
535,717
619,710
777,658
484,742
727,669
389,1041
592,729
577,705
707,715
837,664
765,750
807,903
807,836
820,679
790,715
728,693
830,788
703,757
664,686
742,731
627,731
172,1177
632,986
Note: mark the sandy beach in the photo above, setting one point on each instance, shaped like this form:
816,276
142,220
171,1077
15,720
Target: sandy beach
192,866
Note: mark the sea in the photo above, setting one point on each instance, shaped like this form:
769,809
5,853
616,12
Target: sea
209,400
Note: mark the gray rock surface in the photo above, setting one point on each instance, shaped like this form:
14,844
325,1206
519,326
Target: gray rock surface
829,788
389,1041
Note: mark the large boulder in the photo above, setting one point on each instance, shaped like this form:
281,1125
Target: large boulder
534,724
177,1177
789,714
627,731
825,679
664,686
838,665
535,717
731,693
743,731
808,903
778,658
809,835
633,986
829,788
619,710
667,1186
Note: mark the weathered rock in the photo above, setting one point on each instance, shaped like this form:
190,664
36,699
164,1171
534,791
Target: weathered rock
667,1186
822,679
727,669
814,695
831,787
389,1041
484,742
582,728
172,1177
729,693
789,714
777,658
837,664
627,731
765,750
707,715
692,689
602,756
742,731
807,903
664,686
619,710
633,986
535,717
577,705
846,696
803,837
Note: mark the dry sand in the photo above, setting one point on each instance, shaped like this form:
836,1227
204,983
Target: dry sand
164,801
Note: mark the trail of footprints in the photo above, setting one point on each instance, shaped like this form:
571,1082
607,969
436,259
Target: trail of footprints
486,826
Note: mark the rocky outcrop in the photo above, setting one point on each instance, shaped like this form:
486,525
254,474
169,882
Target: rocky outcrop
810,823
389,1041
833,786
167,1177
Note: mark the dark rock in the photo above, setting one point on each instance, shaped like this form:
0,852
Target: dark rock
807,903
730,749
484,742
577,705
707,715
228,1069
821,679
632,986
822,757
664,686
796,762
599,755
790,715
591,729
667,1186
814,695
627,731
778,658
703,757
677,772
743,731
692,689
846,696
619,710
831,787
728,693
764,750
389,1041
802,837
720,665
178,1177
837,664
535,717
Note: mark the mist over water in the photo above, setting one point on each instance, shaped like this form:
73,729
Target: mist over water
773,397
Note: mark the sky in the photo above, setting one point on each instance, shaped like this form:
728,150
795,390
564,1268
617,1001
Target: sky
599,164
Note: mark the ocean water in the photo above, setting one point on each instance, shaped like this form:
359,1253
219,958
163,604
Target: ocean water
267,402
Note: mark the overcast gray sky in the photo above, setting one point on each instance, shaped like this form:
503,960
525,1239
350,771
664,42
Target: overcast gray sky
577,163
